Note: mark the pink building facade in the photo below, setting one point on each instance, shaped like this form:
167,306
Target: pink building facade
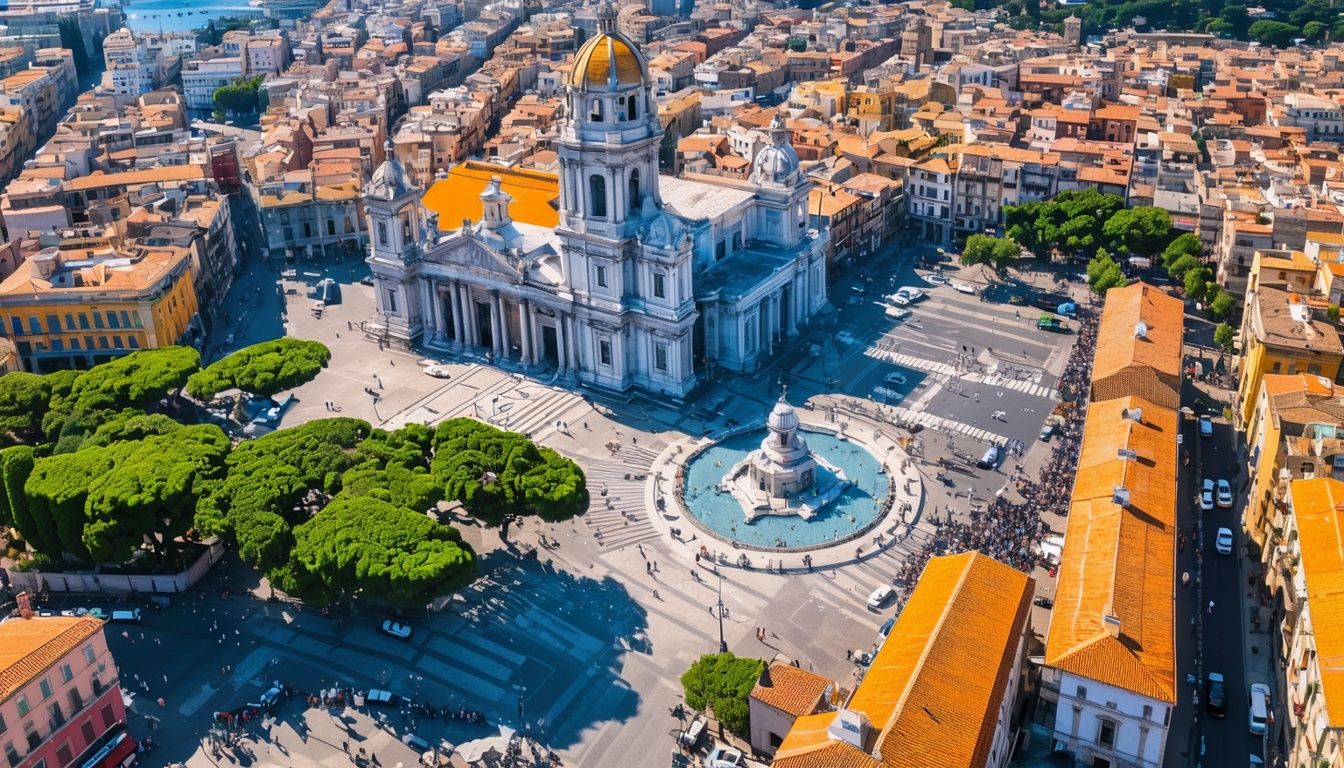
60,704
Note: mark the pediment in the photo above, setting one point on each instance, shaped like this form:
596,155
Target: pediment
474,256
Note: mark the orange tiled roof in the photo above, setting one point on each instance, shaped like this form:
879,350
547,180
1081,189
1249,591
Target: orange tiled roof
933,692
1120,561
793,690
1317,505
28,647
458,197
1127,364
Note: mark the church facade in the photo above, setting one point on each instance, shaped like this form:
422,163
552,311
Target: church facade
644,282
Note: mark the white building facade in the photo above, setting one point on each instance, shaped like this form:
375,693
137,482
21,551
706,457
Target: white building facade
646,282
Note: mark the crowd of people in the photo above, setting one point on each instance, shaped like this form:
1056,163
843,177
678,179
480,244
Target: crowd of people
1010,530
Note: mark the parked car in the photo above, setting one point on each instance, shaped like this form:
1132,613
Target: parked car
1223,543
130,615
846,337
1050,302
905,296
1224,494
993,455
1205,426
961,287
437,371
1258,705
937,279
724,757
1047,432
694,732
1206,495
879,597
885,629
376,697
1215,694
396,629
896,313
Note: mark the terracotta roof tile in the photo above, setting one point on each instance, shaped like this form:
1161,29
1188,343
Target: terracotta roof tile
28,647
792,690
1317,507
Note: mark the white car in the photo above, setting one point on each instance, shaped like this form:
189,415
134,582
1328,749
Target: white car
847,338
879,596
1206,495
724,757
1257,703
896,313
1224,541
966,288
896,378
905,296
437,371
937,279
1224,494
396,629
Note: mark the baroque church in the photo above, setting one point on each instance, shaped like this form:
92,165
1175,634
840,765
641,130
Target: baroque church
645,282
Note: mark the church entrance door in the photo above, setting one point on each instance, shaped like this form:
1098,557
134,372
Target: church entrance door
550,349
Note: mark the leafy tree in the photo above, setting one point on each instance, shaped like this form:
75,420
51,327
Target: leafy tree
1104,273
23,402
239,97
723,682
1222,305
1315,31
1197,282
1224,335
1144,230
1070,222
131,424
262,369
57,491
362,547
994,251
1275,33
1186,244
1332,312
1178,268
150,495
493,472
16,464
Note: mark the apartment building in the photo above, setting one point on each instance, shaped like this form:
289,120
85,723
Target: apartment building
929,192
1322,118
60,696
989,177
204,74
1281,333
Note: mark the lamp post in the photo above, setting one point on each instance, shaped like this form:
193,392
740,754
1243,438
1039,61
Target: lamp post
723,644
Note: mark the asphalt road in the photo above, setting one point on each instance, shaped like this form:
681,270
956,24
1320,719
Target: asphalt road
1227,740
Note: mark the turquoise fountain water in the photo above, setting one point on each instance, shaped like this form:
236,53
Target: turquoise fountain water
851,513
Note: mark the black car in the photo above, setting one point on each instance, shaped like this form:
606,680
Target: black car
1049,301
1215,691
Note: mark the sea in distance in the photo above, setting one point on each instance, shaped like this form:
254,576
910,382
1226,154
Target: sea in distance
180,15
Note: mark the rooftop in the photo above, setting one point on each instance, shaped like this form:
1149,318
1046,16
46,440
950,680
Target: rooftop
535,194
29,647
1317,506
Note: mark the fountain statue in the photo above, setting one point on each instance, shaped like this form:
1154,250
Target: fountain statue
783,476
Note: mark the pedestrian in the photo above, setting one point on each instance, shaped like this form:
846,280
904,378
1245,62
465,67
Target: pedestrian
1210,609
345,745
1185,579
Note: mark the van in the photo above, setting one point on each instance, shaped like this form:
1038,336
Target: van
416,743
1258,705
131,615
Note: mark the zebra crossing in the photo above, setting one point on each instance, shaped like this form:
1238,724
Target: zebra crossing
999,380
941,424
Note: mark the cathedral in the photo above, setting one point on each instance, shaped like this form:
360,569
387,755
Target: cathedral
643,282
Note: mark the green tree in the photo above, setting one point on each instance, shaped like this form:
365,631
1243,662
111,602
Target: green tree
1315,31
723,682
1182,265
1197,282
994,251
493,472
262,369
1221,305
1224,335
239,97
1275,33
1070,222
366,548
16,464
1104,273
149,496
1143,231
1186,244
57,491
23,402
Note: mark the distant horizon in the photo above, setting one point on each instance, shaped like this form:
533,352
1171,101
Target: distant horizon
153,15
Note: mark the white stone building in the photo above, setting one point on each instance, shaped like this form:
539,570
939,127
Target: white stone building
646,282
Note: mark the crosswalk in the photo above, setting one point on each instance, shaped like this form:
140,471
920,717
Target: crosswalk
1027,386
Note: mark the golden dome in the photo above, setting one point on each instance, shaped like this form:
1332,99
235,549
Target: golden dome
600,57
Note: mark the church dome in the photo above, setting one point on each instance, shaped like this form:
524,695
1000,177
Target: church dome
778,161
389,180
782,417
609,61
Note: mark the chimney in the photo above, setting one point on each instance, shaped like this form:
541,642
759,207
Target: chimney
25,602
1133,414
1140,330
1120,496
1112,624
46,262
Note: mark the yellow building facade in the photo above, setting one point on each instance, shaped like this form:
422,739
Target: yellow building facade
75,309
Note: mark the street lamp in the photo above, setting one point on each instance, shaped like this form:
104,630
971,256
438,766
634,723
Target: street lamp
723,644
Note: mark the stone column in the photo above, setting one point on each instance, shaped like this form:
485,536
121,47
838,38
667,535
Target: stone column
560,343
524,342
455,297
572,335
469,310
439,334
506,337
495,335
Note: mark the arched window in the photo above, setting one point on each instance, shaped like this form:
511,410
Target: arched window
595,109
597,195
631,107
634,190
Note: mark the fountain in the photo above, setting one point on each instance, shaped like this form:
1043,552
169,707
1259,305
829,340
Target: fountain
783,477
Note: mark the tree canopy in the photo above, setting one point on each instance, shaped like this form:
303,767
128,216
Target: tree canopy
23,402
261,369
363,546
1104,273
1069,222
994,251
239,97
723,682
1144,230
